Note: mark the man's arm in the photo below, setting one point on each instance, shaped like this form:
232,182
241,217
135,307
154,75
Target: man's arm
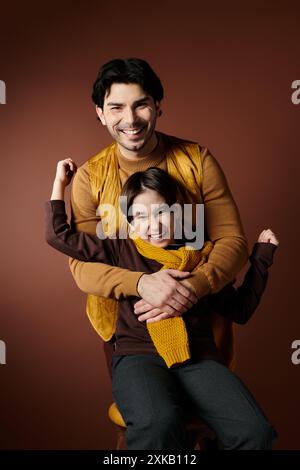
95,278
239,304
223,227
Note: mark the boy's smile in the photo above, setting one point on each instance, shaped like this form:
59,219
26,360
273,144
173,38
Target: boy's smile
152,218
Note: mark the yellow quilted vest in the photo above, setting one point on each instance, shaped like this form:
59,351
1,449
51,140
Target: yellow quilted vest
184,164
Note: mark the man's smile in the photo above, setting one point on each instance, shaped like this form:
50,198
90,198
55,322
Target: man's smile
133,132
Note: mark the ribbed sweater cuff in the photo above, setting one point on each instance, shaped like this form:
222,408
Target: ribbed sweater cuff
178,355
264,252
200,283
130,282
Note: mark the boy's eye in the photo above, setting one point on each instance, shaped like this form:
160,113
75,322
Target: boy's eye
163,210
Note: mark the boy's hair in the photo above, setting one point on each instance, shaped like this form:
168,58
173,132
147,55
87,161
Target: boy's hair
131,70
152,178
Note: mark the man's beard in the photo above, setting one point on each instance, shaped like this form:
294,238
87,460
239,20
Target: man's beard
139,145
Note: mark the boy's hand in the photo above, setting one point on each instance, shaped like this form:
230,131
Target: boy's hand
267,236
65,170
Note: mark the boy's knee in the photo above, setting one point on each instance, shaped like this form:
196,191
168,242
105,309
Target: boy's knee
165,420
261,436
252,435
165,430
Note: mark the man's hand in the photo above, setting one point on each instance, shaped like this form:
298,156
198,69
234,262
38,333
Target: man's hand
163,296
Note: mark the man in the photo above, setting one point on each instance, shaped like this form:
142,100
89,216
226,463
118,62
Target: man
127,95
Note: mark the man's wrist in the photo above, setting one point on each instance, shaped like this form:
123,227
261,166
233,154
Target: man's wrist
138,285
200,283
189,285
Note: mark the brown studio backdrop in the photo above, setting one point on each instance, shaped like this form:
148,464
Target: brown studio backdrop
227,74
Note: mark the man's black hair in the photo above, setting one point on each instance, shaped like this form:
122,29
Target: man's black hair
131,70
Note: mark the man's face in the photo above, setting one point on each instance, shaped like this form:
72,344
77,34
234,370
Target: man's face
130,115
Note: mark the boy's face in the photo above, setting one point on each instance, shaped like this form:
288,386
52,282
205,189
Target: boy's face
127,109
152,219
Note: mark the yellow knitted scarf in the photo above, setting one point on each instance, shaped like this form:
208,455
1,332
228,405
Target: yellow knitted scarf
169,335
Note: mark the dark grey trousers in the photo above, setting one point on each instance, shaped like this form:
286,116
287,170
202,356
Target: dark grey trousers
152,400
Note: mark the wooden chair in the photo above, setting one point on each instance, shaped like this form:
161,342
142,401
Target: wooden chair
199,434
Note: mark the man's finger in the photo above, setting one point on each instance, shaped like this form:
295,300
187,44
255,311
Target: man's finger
150,314
140,303
153,313
143,308
159,317
173,303
177,273
184,301
187,293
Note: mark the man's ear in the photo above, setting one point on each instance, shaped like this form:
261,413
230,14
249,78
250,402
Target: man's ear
158,108
100,114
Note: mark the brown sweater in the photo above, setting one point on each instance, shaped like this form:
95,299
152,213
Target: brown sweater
222,225
132,336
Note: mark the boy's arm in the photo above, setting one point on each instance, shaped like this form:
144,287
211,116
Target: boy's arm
95,278
239,304
223,227
79,245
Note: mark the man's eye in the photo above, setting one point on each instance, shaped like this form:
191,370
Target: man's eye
118,107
